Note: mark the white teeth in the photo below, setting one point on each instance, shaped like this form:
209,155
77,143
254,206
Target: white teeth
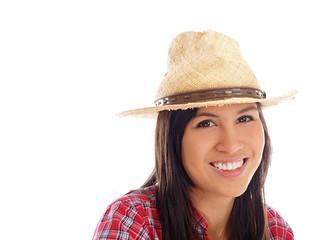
229,166
234,165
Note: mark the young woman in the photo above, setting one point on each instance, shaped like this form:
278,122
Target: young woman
212,152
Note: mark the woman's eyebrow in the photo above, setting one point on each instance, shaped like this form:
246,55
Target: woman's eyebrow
247,109
206,114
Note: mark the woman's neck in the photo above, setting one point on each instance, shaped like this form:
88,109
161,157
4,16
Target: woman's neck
215,210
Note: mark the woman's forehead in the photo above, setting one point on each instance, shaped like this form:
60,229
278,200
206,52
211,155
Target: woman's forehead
228,108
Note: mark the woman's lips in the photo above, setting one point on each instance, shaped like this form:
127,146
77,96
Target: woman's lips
230,167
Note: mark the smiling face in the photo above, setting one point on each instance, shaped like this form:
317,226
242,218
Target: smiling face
222,148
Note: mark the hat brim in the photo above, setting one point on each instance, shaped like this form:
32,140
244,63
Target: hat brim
152,112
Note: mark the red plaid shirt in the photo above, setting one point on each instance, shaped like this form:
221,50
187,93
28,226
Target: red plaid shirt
134,216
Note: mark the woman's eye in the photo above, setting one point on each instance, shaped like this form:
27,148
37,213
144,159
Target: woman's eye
244,119
206,123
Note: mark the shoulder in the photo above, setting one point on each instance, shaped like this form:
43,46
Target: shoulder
140,197
279,229
141,201
134,214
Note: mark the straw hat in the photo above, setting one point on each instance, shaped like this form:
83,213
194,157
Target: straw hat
206,69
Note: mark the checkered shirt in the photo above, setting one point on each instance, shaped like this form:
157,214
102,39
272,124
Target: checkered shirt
135,216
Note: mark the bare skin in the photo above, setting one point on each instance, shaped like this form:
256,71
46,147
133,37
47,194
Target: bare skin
221,150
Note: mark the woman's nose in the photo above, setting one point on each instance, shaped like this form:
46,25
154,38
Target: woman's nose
229,141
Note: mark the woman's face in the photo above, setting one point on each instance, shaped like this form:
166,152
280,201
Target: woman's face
222,148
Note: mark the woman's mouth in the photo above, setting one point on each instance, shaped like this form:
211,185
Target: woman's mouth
230,168
230,165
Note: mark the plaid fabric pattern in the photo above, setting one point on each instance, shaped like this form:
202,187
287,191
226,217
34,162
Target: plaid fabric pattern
134,216
278,227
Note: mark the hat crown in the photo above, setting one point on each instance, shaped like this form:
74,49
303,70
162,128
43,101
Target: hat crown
205,60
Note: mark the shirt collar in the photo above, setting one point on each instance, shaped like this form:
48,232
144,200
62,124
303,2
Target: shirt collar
200,224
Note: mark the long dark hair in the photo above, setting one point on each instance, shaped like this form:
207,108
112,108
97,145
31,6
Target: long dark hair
248,216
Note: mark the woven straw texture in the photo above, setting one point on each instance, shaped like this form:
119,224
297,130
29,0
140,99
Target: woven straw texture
205,60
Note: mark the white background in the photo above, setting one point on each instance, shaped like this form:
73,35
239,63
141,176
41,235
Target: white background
66,68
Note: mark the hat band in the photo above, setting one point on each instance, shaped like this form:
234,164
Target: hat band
208,94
